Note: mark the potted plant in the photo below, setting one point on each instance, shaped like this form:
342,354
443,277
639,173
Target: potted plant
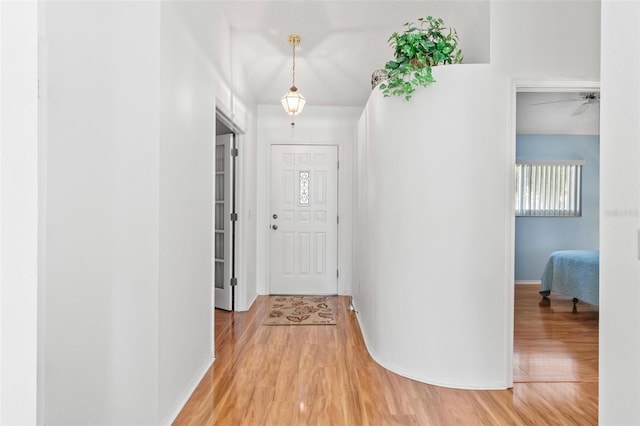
416,50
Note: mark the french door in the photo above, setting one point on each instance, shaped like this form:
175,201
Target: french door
223,232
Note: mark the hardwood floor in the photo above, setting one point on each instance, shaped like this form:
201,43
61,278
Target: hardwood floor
323,375
552,344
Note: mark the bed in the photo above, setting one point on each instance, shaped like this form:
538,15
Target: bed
574,273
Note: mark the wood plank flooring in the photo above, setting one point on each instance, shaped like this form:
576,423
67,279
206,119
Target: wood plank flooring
552,344
323,375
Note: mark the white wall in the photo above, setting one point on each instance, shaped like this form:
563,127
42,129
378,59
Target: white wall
546,39
235,100
102,212
460,331
315,125
131,94
247,290
187,129
433,201
620,215
18,212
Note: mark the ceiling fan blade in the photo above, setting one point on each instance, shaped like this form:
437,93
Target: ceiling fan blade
581,109
558,101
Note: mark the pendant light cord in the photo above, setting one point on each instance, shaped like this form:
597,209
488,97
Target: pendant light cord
293,83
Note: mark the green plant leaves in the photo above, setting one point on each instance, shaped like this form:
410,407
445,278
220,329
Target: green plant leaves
416,50
392,65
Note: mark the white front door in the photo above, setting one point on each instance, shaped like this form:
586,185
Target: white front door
304,219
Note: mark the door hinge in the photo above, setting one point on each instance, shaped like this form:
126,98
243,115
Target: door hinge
337,219
234,217
337,273
234,282
338,165
234,152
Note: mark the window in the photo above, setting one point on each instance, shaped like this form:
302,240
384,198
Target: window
548,188
303,195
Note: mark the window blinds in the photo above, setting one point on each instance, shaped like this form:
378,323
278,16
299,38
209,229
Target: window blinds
548,188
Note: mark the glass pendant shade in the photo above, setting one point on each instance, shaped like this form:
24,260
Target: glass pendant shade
293,102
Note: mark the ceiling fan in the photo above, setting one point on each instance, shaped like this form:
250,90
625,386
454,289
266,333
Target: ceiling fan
587,99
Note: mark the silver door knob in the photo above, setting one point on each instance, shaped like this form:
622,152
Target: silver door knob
274,227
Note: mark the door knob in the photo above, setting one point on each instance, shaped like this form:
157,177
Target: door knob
275,216
274,227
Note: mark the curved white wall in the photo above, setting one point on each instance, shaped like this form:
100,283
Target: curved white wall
433,237
431,196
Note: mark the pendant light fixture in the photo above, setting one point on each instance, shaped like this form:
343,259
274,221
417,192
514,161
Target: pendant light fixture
293,102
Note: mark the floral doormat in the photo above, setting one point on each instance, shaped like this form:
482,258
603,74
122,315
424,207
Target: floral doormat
301,310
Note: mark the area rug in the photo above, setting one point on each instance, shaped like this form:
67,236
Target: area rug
301,310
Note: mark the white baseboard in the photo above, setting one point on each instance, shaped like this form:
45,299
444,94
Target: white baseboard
244,308
409,375
527,282
193,384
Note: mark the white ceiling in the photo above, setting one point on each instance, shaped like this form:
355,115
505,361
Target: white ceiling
343,42
553,113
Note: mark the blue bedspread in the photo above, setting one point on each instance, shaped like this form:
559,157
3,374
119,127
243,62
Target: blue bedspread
574,273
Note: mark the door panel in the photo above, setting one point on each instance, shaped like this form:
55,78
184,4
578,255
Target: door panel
304,212
223,248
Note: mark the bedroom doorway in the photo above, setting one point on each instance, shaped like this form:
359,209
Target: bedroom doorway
555,123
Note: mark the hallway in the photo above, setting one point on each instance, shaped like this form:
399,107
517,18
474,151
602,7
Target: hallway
328,377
